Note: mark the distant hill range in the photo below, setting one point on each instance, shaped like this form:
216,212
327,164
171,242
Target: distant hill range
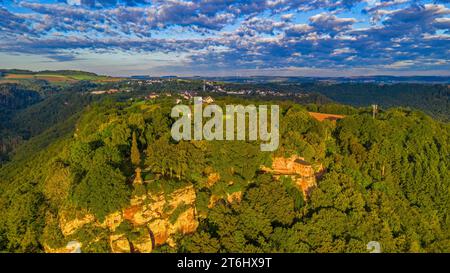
83,75
56,72
54,76
148,77
362,79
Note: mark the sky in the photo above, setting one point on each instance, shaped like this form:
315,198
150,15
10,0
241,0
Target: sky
228,37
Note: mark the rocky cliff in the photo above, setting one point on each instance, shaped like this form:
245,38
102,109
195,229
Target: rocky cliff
154,219
303,173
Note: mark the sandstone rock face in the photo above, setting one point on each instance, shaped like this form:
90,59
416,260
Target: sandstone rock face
112,221
293,165
160,230
143,244
306,184
213,200
71,247
212,179
69,226
154,214
301,172
163,229
186,195
235,197
157,213
119,243
185,224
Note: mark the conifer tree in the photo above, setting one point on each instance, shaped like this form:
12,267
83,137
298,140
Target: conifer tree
135,155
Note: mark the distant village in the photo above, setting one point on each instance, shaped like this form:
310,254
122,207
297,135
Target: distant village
208,87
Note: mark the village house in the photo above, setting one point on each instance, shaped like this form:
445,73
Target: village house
152,96
110,91
208,100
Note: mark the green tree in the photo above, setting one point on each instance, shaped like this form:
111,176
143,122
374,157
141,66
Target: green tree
135,154
25,220
103,190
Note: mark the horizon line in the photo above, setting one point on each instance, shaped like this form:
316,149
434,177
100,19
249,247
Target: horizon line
231,76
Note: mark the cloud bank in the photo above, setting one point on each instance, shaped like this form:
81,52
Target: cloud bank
271,35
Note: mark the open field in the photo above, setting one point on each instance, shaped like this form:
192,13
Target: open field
50,78
56,78
9,81
322,116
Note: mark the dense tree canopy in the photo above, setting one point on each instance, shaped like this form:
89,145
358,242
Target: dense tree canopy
387,180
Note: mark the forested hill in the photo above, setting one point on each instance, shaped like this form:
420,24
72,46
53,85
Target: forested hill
386,179
432,99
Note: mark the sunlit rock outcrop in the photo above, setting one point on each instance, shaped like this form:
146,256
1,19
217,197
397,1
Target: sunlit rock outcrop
303,173
156,218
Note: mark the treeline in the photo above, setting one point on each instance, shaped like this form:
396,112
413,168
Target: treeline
433,99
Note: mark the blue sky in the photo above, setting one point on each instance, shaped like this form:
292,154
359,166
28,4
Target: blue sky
228,37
